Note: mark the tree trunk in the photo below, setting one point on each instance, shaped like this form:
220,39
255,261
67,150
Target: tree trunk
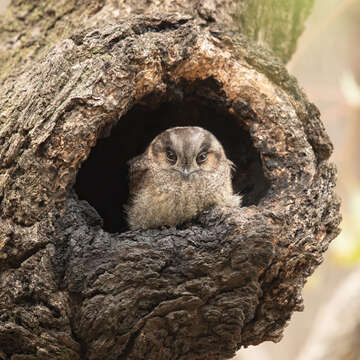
84,87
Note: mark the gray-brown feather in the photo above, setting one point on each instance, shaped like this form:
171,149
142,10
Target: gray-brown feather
163,194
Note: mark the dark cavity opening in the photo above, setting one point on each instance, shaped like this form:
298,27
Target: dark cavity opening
103,177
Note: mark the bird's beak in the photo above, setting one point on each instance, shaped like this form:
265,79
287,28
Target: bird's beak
186,172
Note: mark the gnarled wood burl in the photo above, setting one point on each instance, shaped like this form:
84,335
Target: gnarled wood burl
75,283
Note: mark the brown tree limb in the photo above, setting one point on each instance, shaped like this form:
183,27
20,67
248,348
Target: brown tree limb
76,284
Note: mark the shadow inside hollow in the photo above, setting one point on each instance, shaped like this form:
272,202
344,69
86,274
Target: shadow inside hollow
103,177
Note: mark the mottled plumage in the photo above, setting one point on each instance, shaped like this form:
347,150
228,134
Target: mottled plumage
183,172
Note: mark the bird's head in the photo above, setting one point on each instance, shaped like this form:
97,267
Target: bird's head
187,151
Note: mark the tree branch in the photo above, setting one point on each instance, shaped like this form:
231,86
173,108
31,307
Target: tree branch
75,283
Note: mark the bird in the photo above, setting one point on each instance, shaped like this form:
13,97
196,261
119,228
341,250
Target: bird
183,172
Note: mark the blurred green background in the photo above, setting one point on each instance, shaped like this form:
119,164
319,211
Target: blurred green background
327,65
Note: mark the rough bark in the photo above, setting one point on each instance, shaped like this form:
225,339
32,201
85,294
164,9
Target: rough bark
74,282
30,27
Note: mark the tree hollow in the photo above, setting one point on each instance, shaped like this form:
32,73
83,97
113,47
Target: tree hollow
103,178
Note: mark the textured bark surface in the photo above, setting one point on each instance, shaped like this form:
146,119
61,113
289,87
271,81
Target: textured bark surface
75,284
30,27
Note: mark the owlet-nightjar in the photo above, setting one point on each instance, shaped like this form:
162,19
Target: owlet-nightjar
183,172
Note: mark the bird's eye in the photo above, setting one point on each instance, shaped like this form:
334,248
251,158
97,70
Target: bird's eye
201,157
171,156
